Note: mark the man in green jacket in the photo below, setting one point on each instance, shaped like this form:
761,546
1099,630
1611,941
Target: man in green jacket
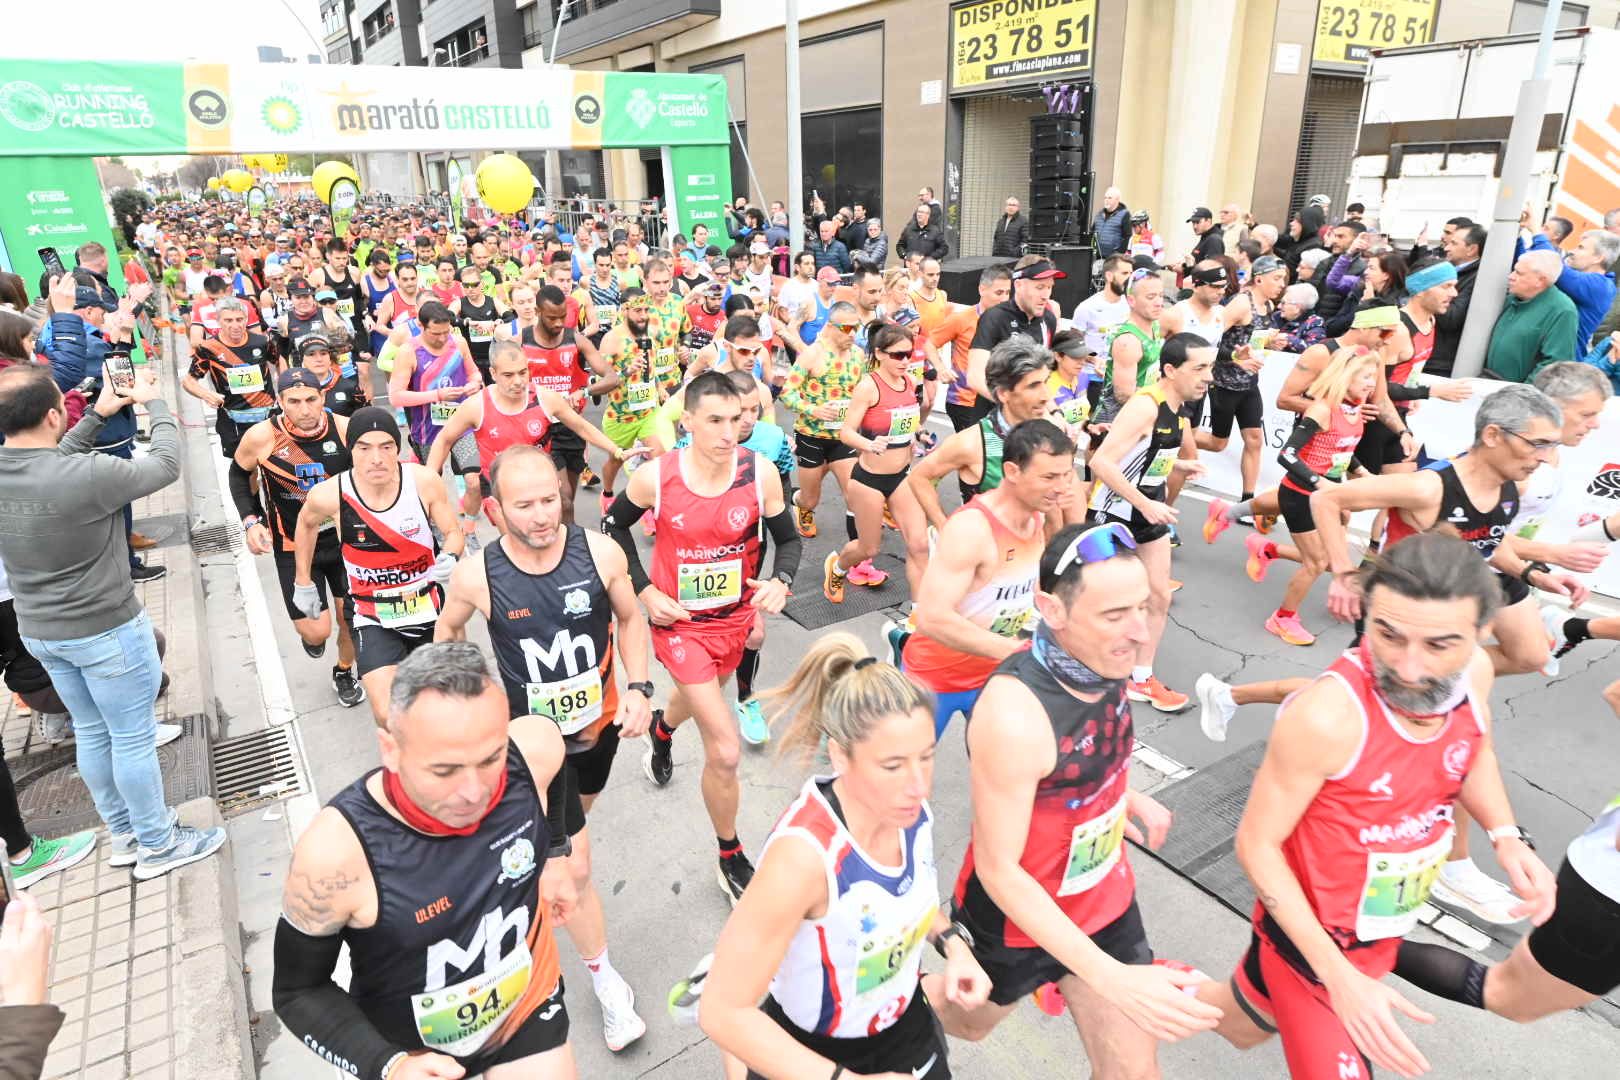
1537,324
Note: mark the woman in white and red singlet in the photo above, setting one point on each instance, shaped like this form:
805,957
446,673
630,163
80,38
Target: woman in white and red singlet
830,931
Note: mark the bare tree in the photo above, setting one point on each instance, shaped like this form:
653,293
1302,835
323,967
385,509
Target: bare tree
196,171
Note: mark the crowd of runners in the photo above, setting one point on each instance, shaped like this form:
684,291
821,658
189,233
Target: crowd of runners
348,374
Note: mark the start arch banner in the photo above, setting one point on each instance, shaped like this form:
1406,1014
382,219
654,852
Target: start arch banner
75,108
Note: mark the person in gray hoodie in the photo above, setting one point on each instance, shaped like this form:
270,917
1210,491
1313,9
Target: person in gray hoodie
64,548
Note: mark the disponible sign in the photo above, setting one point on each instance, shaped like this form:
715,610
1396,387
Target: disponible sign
66,107
1005,42
1348,30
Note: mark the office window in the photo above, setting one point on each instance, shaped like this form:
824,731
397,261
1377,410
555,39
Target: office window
534,26
466,46
739,160
1528,16
843,157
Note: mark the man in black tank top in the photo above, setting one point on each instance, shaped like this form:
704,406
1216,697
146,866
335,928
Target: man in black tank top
444,872
1475,494
288,455
551,595
1050,742
476,315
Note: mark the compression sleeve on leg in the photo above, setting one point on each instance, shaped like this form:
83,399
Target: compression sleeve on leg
789,545
317,1011
1304,429
247,503
620,516
562,803
1442,972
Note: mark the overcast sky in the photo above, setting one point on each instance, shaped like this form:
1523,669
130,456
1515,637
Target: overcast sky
166,30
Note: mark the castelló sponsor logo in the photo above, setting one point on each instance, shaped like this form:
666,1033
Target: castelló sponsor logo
28,106
677,109
641,108
358,112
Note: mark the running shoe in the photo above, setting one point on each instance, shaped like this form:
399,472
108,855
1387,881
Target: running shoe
470,543
1175,537
1554,619
659,761
167,733
832,582
751,723
686,995
52,729
186,846
607,502
1155,693
1262,553
46,857
620,1024
349,691
1049,999
1290,629
807,521
1215,706
1218,520
147,572
121,847
588,479
1462,884
897,636
734,873
864,573
1176,585
1264,523
316,651
888,520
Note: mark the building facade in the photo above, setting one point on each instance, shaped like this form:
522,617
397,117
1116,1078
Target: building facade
1193,102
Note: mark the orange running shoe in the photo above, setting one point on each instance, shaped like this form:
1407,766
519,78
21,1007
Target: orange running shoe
832,582
1262,553
1153,692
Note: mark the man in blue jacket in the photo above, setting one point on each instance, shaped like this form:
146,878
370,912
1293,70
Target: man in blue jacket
85,327
1588,279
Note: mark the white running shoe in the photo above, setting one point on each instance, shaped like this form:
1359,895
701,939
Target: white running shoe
620,1024
167,733
1553,619
1215,706
1464,885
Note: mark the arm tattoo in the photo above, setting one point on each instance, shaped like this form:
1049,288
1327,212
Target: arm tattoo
311,903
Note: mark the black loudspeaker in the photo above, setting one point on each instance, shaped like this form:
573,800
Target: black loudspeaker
1057,165
1075,261
1057,226
1059,194
960,277
1061,132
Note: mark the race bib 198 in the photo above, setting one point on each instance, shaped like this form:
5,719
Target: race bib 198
574,703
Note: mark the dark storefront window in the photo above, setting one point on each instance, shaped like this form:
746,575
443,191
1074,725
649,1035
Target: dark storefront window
843,157
739,160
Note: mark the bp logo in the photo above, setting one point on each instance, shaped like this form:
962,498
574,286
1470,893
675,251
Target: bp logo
517,861
26,106
641,108
587,110
282,115
208,108
1606,484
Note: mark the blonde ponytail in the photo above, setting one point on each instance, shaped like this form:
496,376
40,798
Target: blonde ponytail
838,692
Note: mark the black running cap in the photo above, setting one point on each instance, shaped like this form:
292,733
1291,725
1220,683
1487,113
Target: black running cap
371,418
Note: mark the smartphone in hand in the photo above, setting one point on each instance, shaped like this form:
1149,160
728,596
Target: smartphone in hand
121,369
8,885
52,261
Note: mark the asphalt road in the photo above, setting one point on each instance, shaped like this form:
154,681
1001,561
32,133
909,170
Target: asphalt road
655,856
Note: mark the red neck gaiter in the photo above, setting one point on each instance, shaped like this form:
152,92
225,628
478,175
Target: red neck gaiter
421,820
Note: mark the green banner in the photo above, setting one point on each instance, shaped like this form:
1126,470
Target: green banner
56,203
345,197
698,179
256,200
644,109
72,107
453,176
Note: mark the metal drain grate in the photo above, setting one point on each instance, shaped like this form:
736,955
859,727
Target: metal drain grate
216,539
257,768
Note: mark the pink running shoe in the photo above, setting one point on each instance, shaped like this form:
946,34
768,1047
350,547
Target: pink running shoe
1262,553
864,573
1218,520
1290,629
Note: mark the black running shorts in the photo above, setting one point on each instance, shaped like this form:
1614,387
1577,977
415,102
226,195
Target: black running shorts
1580,944
1016,972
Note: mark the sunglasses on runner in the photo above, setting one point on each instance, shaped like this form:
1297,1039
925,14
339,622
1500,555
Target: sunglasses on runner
1095,545
748,350
845,327
896,354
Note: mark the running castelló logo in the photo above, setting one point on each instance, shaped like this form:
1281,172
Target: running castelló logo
641,108
26,106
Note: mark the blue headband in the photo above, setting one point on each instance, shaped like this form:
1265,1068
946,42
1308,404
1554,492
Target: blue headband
1429,276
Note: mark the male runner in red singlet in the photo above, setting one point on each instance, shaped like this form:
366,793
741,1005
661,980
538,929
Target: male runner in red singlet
386,512
514,411
561,360
1046,893
1351,815
445,874
978,606
713,501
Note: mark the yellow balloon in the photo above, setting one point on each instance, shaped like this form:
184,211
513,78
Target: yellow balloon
505,184
251,161
238,180
213,183
327,172
273,162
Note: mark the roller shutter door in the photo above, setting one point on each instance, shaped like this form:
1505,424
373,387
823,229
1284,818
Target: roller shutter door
1327,140
995,164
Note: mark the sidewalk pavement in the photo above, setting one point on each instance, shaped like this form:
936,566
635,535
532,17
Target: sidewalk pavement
148,973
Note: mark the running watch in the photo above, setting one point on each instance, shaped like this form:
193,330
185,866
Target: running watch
645,689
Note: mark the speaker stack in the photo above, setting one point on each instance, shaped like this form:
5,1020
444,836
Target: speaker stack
1060,195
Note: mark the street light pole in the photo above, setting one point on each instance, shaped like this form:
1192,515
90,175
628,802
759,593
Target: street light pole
795,139
1490,282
